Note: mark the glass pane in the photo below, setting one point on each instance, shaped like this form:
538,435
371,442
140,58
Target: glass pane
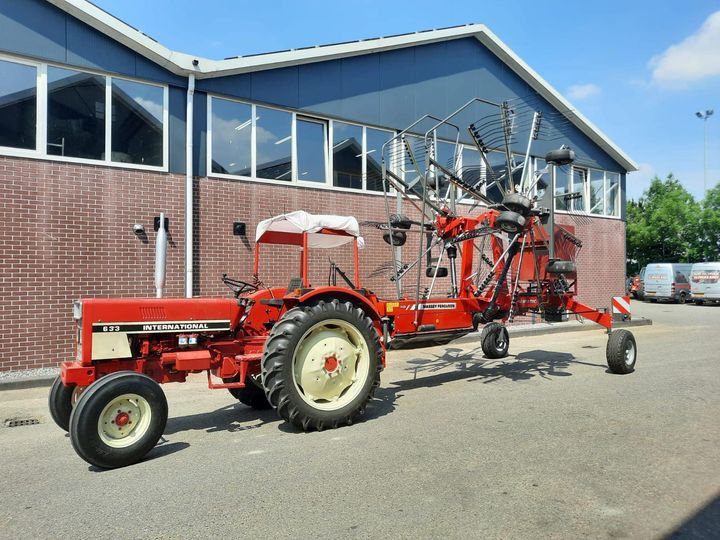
376,138
18,105
471,168
562,187
541,178
597,197
347,155
612,196
498,164
311,151
413,164
137,123
274,143
445,157
76,114
231,137
578,189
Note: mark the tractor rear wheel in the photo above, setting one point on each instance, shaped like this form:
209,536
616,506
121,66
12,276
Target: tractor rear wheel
118,419
253,395
495,340
621,352
61,401
322,364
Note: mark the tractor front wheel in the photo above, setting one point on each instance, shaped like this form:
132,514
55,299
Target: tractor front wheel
61,401
495,340
118,419
322,364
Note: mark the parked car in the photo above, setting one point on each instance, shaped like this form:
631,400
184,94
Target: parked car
705,282
667,281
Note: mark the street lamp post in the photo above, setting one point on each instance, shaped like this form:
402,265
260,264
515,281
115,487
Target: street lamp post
704,116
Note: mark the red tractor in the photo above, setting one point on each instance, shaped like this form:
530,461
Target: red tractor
315,353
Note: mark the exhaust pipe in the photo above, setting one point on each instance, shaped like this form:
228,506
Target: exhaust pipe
160,257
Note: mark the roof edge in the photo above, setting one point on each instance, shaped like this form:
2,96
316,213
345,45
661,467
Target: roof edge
184,64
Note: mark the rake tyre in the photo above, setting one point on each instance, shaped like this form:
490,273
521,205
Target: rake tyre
495,340
118,419
61,401
621,352
322,364
510,222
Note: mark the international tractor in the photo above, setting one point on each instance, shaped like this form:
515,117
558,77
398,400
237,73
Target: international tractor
315,353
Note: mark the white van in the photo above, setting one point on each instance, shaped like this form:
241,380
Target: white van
705,282
667,281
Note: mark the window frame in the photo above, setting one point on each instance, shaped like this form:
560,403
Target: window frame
40,151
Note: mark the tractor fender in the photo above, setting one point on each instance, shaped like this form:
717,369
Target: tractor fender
342,294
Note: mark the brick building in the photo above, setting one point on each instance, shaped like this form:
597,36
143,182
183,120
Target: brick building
95,138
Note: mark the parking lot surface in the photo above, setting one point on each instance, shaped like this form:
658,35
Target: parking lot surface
544,443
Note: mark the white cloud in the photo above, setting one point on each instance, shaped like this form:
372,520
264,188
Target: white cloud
692,59
583,91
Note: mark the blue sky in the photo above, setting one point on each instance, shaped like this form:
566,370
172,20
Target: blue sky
639,70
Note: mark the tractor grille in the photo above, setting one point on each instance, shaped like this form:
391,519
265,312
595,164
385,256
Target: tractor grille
152,313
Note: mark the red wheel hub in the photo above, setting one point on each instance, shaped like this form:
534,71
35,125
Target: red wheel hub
122,419
331,364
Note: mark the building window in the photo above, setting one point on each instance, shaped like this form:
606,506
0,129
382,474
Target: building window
374,141
273,133
597,192
311,150
137,123
498,166
577,199
75,114
231,144
54,112
612,194
18,105
347,151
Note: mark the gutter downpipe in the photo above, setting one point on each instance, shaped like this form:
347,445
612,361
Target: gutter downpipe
189,201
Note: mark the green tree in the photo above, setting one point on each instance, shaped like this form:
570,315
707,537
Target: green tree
663,225
709,226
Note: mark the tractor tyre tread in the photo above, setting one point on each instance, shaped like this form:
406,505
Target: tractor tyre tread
277,365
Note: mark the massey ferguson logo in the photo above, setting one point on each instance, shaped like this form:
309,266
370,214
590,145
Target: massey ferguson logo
438,305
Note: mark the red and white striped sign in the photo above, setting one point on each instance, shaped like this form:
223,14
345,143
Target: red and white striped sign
621,305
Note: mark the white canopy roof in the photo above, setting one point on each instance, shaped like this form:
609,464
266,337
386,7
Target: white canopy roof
299,222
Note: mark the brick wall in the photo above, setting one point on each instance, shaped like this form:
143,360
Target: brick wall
66,233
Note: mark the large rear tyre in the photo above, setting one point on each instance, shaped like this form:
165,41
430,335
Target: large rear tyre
253,395
621,352
118,419
322,364
495,340
61,401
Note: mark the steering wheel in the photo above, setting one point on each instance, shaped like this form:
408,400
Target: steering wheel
238,286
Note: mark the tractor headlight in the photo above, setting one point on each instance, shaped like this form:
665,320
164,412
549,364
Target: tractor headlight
77,310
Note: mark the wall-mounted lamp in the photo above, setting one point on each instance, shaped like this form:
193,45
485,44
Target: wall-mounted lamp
238,228
139,229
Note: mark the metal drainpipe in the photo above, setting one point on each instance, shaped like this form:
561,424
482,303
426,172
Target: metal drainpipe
189,202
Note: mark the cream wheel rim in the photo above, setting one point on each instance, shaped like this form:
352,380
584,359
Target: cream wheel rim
124,420
331,364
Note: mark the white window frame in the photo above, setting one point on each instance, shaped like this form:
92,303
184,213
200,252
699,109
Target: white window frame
326,131
328,124
41,112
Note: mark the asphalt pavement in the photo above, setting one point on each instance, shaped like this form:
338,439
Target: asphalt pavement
545,443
